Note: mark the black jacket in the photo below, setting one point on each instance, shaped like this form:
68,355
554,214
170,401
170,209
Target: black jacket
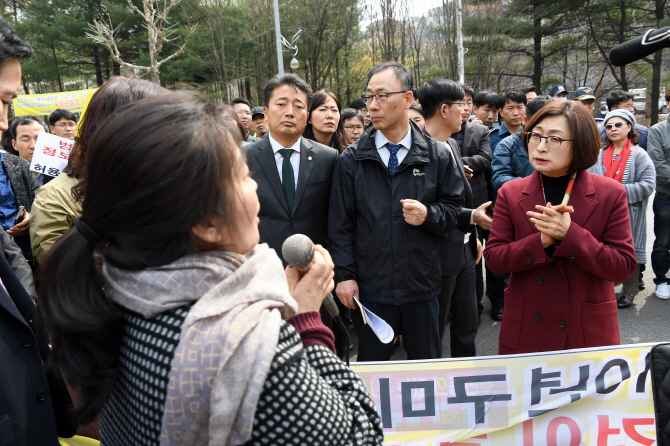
453,255
476,153
35,407
309,215
392,261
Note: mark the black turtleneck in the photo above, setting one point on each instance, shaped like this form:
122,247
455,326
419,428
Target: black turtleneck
554,188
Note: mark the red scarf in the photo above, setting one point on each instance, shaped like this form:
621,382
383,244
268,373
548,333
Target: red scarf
611,169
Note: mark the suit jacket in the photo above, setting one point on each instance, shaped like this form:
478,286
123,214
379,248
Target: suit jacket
309,215
35,406
21,178
565,300
453,254
476,153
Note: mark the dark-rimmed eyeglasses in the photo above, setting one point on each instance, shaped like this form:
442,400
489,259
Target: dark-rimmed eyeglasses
552,142
616,124
381,97
353,127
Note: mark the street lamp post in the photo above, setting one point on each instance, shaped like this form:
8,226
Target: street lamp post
282,42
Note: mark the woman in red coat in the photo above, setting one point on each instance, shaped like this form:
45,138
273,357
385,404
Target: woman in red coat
565,236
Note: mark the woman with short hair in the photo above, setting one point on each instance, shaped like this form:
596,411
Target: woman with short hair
565,236
324,123
627,163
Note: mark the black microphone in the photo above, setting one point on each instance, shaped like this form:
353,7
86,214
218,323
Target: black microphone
298,251
639,47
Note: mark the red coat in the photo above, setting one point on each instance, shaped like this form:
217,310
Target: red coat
565,301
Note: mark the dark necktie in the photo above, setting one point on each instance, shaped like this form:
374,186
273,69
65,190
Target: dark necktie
393,159
288,178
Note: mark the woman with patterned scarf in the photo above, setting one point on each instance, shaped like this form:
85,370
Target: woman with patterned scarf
624,161
166,315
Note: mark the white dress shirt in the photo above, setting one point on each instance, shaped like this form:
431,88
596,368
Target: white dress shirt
385,153
295,158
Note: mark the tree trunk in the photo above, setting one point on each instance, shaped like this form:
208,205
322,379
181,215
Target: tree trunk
60,82
655,86
97,66
537,47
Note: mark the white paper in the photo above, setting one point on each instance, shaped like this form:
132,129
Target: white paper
51,154
378,325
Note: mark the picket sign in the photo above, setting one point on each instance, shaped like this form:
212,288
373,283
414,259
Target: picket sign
51,154
595,396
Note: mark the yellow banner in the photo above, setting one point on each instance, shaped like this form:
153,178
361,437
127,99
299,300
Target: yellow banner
596,397
45,104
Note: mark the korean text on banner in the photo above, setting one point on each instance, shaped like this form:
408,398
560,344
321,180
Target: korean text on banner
51,154
599,396
45,104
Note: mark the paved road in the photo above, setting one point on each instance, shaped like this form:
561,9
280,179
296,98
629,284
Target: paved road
648,320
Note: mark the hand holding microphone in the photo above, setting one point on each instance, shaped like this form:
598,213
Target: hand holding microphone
311,278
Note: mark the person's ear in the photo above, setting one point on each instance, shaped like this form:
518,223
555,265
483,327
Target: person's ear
409,98
207,232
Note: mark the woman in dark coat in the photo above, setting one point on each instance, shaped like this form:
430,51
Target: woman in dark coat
565,236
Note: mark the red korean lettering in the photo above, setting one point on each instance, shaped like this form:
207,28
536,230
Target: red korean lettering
49,151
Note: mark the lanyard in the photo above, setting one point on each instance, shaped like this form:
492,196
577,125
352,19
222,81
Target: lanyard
568,190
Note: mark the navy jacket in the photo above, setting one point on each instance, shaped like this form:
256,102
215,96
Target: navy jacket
392,261
510,162
35,407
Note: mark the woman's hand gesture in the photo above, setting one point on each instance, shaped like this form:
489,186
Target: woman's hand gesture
553,222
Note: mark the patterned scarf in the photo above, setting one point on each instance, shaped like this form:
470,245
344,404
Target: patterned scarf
227,342
615,168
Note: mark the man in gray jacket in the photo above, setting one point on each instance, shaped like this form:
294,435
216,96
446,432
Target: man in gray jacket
658,147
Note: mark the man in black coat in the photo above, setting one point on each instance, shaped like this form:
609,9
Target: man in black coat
34,404
460,250
395,193
475,149
298,205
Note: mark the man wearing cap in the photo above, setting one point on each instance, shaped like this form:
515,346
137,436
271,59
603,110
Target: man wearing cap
585,96
559,92
259,125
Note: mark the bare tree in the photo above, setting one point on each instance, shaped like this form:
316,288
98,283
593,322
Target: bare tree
155,15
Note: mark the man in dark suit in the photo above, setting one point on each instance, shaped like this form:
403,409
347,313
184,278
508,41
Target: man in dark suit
460,250
293,173
475,148
34,404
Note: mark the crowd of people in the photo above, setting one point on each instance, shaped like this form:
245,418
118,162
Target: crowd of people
158,249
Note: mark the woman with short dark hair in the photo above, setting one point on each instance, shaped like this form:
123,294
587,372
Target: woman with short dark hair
169,318
565,236
627,163
324,123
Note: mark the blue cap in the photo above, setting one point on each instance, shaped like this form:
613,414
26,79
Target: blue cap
557,89
584,93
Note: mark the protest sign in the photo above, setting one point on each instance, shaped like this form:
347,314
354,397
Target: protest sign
599,396
45,104
51,154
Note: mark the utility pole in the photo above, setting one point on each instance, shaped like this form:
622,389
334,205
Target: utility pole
280,57
459,42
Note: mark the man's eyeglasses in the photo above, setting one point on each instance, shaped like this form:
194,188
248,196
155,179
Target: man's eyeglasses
381,97
616,124
242,112
69,125
552,142
353,127
459,104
